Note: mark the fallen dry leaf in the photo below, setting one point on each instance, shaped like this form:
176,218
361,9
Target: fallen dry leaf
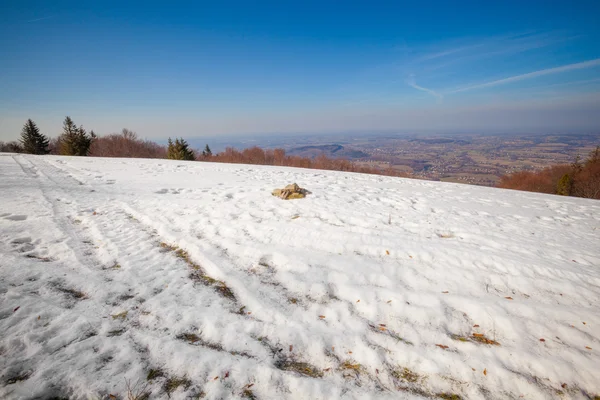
508,298
542,340
382,328
249,385
475,326
332,348
473,369
216,377
349,352
94,213
478,334
39,316
389,301
584,323
227,374
485,371
291,347
445,292
382,325
588,347
321,316
441,346
358,301
326,369
564,386
376,370
387,252
16,308
410,256
249,312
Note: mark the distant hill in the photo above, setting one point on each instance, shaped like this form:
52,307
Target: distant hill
330,150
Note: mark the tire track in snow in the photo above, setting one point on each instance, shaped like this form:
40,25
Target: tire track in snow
118,234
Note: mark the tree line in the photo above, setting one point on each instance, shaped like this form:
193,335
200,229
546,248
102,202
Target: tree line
579,179
75,141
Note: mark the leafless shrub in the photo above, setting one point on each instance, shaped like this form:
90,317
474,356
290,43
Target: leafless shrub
258,156
585,178
126,144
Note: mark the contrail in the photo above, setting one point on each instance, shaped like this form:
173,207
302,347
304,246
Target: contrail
535,74
411,82
39,19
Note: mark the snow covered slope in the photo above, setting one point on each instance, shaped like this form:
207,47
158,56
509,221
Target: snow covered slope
190,279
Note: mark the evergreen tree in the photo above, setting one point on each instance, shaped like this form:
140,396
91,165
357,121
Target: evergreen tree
75,141
179,150
564,186
32,141
206,152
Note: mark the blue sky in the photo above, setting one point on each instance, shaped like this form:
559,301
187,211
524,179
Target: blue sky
219,68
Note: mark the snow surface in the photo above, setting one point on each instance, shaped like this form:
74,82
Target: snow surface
109,271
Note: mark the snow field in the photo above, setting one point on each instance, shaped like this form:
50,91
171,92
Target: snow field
190,279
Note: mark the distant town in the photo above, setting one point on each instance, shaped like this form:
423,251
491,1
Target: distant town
465,158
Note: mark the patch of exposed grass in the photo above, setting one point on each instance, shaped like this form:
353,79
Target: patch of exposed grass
407,375
23,376
448,396
459,338
480,338
194,339
116,332
167,246
302,368
349,365
122,315
76,294
133,393
173,383
220,286
155,373
385,331
198,275
191,338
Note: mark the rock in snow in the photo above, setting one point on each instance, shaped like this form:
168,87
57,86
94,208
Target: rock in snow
183,279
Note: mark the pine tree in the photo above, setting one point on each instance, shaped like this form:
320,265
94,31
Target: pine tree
75,141
206,152
32,140
179,150
564,186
